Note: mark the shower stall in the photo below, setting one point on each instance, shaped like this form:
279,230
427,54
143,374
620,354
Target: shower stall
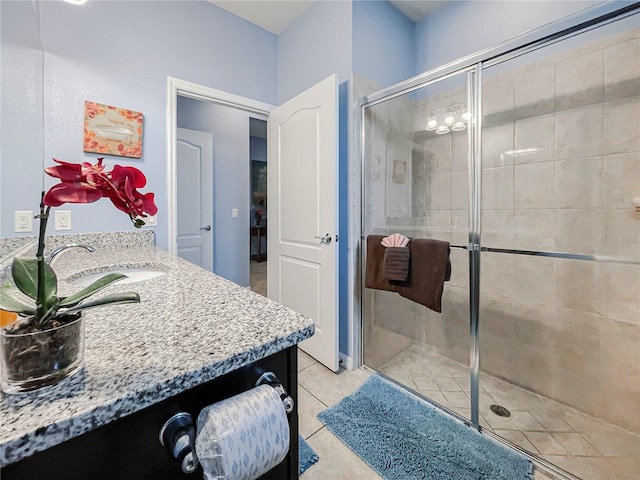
526,159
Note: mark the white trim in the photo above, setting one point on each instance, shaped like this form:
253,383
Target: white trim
346,362
176,87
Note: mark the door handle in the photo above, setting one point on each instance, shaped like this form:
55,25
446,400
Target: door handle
206,228
326,239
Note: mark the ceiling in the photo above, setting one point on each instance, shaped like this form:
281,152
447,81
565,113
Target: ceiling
276,15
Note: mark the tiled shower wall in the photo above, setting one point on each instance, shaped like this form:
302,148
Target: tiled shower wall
561,167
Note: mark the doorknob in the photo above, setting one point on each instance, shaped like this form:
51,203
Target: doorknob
326,239
206,228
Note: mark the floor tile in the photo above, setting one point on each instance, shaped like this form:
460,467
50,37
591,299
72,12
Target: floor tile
457,399
308,409
305,360
629,467
588,468
545,443
336,462
575,444
518,438
526,422
322,383
619,444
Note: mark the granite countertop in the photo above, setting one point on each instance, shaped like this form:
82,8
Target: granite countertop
190,327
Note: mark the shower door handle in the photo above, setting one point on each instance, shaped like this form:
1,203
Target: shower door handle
326,239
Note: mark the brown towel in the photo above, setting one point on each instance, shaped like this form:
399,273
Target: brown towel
429,269
375,263
396,263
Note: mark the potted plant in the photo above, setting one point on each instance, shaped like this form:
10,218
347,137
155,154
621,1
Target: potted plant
46,343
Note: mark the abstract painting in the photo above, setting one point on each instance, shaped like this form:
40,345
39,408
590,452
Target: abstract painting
112,131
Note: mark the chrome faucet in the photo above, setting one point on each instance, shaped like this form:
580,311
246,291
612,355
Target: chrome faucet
52,256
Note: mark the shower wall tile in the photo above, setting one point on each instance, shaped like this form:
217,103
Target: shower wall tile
497,228
438,225
534,185
533,280
533,229
579,132
622,180
622,125
497,188
497,276
576,286
622,70
618,293
621,234
385,308
438,153
440,191
498,97
535,91
460,227
496,143
579,183
535,133
579,231
459,190
459,151
580,81
459,268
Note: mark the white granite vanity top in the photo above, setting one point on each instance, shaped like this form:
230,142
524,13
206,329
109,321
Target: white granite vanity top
190,327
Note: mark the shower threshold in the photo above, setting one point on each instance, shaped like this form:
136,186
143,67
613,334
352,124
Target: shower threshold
585,446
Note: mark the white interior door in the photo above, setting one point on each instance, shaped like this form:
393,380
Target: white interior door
303,213
195,197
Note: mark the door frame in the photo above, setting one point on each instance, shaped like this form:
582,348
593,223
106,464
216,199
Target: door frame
177,87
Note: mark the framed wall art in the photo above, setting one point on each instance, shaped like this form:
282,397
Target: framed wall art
112,130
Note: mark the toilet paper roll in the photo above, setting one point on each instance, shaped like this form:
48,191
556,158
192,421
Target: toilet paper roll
244,436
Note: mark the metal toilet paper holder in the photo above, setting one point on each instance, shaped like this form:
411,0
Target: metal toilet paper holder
178,437
178,434
269,378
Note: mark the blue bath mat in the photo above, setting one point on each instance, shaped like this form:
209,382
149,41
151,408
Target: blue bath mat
306,455
403,438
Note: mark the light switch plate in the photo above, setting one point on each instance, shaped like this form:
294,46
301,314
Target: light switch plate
151,221
23,221
234,213
63,219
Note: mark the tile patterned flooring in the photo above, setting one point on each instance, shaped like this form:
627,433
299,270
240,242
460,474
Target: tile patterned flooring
318,389
588,448
582,445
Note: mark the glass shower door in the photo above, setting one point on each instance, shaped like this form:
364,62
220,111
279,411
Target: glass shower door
560,301
416,183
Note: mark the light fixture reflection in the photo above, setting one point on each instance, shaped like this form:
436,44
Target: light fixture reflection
76,2
466,116
449,119
432,123
458,126
442,129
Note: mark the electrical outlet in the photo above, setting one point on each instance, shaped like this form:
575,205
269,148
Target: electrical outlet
234,213
63,219
23,221
151,221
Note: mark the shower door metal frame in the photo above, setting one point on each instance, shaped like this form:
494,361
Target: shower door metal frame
473,65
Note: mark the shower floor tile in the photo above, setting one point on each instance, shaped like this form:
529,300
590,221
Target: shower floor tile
584,446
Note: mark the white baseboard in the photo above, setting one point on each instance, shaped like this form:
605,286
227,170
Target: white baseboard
346,362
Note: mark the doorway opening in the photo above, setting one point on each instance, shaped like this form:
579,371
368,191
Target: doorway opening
225,232
258,213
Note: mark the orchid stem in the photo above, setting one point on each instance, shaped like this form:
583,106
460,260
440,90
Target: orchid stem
40,300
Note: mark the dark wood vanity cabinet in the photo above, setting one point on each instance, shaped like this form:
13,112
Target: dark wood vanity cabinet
129,448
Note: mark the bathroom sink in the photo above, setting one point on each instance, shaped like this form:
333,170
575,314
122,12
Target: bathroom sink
133,275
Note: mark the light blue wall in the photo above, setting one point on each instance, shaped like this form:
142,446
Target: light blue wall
120,53
21,141
464,27
313,47
384,43
230,128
